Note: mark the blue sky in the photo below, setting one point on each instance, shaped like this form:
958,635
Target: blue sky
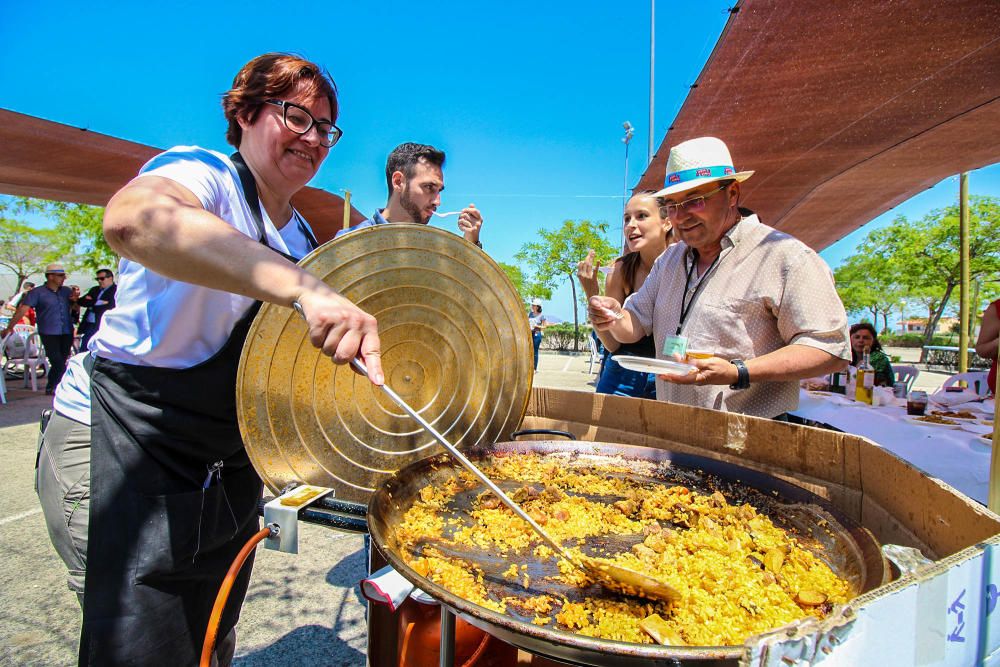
527,98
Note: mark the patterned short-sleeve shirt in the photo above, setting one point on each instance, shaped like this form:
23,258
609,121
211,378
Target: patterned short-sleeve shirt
767,290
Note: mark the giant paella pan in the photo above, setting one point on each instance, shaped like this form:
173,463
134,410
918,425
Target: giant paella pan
747,551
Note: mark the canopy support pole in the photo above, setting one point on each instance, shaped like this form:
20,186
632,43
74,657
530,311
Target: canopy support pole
993,500
347,209
963,233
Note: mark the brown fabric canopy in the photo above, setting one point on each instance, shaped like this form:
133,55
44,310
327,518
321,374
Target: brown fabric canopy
40,158
846,109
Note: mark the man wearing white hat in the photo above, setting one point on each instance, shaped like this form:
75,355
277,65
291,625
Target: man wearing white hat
51,302
760,302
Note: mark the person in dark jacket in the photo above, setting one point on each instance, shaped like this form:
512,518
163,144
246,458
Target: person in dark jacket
97,300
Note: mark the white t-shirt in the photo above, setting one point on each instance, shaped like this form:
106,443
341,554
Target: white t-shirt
73,391
172,324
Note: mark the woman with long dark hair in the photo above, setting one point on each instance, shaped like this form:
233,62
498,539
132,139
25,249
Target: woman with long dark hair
647,235
863,335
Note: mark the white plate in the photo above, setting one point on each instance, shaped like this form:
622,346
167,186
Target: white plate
978,429
648,365
917,421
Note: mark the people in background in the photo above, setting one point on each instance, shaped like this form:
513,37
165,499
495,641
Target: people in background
53,303
647,234
761,302
98,300
415,178
986,344
537,322
62,471
863,336
15,300
74,309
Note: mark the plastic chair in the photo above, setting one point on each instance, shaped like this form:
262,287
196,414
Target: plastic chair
975,380
32,357
907,374
595,355
12,348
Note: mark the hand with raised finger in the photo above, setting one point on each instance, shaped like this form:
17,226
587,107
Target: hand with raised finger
603,311
470,222
586,273
713,370
342,330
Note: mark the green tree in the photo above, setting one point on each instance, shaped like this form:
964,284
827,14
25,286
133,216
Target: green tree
553,259
24,249
527,288
925,253
79,237
868,285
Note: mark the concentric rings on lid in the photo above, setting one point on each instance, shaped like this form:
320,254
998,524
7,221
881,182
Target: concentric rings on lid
455,345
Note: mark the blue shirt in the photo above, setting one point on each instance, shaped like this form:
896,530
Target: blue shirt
51,310
376,219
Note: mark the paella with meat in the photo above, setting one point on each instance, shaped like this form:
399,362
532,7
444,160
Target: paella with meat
737,571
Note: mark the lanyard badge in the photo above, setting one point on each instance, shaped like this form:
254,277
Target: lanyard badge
675,345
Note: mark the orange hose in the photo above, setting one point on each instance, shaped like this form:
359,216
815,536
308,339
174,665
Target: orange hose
220,600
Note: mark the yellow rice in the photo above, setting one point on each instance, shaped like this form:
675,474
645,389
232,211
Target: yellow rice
716,563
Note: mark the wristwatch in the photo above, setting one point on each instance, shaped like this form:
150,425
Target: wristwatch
743,375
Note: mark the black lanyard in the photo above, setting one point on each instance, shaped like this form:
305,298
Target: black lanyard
686,303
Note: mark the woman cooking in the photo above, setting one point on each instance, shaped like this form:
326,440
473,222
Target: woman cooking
203,239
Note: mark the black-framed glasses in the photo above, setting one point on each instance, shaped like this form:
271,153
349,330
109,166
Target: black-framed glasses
693,205
103,277
300,121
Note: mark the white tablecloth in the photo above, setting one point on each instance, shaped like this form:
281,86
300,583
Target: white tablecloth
958,458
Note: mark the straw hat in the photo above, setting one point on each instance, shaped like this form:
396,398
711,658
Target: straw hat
699,161
54,268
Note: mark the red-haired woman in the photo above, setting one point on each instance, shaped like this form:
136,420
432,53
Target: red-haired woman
204,238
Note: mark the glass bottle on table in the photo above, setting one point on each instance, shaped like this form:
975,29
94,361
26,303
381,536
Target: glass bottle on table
865,384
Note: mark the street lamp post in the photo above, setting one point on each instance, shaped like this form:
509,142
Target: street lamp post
652,54
629,131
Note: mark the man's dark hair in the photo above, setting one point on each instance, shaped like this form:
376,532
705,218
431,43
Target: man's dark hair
107,271
405,157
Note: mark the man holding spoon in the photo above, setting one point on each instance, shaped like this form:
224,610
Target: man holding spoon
415,178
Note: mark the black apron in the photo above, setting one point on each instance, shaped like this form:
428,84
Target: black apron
173,500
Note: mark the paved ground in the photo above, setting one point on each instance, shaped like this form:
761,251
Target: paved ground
301,610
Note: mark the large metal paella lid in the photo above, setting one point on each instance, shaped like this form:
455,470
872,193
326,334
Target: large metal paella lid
455,345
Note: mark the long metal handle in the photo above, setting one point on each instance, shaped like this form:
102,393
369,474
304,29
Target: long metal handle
466,463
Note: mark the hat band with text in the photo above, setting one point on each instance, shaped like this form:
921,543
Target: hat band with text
700,172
